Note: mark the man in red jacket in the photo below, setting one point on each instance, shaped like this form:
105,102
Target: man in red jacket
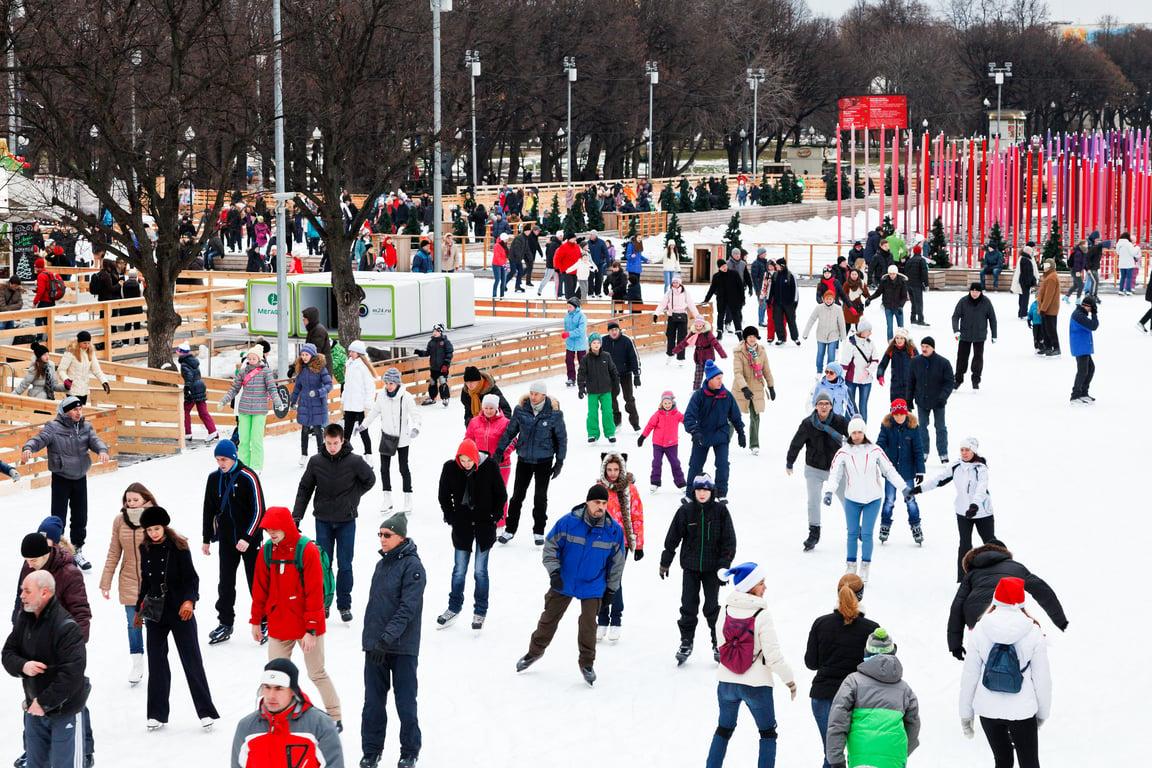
565,259
293,601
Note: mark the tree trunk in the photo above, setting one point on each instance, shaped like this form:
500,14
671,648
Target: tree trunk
162,317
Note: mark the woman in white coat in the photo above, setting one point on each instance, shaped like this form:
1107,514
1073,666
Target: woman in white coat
1128,262
358,391
863,467
78,365
671,264
399,425
969,477
858,356
1006,680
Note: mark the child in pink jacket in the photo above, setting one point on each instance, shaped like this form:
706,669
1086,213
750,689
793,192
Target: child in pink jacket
664,426
485,430
705,347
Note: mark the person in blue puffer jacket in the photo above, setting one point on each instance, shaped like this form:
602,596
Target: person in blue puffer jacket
899,355
833,383
711,410
310,398
584,556
575,338
1080,329
900,440
537,428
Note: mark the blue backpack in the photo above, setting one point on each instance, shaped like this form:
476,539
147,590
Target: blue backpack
1002,671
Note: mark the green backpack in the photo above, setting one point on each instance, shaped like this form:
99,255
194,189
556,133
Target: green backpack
298,561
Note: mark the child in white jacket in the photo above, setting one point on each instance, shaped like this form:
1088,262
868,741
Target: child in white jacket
864,467
399,425
751,685
1006,680
858,355
358,392
969,477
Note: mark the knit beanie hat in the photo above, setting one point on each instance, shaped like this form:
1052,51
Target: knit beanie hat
52,528
668,395
258,351
879,643
392,376
309,348
975,286
613,324
750,331
358,347
38,350
490,400
711,370
282,673
864,326
899,405
931,342
971,444
703,480
34,545
225,449
857,425
84,336
574,301
901,333
823,396
185,348
67,404
597,492
398,524
594,337
472,373
1009,591
743,576
539,387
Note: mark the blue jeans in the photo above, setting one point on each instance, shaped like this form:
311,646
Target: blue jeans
135,634
893,313
861,519
696,465
825,351
397,673
342,538
937,415
995,272
668,279
460,572
759,701
499,278
761,311
1127,278
890,504
7,325
612,613
820,710
858,393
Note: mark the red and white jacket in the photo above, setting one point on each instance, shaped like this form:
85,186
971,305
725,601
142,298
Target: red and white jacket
864,468
292,605
300,736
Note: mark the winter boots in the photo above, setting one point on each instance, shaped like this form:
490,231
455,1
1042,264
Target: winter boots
813,538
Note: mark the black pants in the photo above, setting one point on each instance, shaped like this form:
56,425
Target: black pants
720,319
629,403
595,283
1051,336
782,314
405,473
1085,370
985,526
568,285
675,333
351,419
692,584
1004,736
438,386
71,493
526,472
1022,302
528,264
963,348
736,315
304,434
1143,320
916,296
160,674
397,674
226,597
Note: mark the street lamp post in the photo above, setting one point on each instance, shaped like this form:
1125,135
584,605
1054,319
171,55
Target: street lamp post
136,59
281,193
743,150
94,133
437,176
472,59
755,77
998,74
570,68
652,69
13,96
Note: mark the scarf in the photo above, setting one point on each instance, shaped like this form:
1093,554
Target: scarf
134,515
826,427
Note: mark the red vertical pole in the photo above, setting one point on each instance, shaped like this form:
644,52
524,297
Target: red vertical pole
895,179
1028,198
984,202
1061,210
881,179
973,162
839,194
926,182
907,183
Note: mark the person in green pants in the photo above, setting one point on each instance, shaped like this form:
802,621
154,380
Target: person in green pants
597,378
256,385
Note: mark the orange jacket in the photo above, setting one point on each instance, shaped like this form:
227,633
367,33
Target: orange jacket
292,605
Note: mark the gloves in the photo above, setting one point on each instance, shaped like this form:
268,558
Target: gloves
638,555
907,494
747,392
663,572
958,653
557,581
311,393
12,473
415,432
880,379
837,765
108,389
966,727
772,393
67,383
741,440
580,394
444,370
957,336
640,441
918,488
918,478
828,498
185,610
636,380
1040,722
608,595
556,469
972,510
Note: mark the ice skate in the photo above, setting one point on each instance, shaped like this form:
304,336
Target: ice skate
219,635
684,652
526,661
865,567
477,621
813,538
505,537
614,634
851,568
589,675
885,531
153,724
386,505
446,618
601,633
136,674
917,534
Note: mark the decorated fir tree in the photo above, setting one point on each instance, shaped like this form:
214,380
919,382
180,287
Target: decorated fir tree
667,199
858,185
673,235
732,235
724,201
595,217
632,228
1054,247
574,220
703,200
553,222
459,226
938,245
887,228
685,196
767,191
996,238
413,229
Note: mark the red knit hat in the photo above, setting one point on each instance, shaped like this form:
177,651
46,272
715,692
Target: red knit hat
1010,591
40,264
899,406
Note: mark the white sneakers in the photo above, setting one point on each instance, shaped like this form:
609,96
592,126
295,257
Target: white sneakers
136,674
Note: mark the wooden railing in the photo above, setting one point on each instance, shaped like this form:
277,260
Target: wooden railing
21,418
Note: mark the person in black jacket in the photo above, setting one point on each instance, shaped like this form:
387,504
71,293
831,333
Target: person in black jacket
472,497
169,591
599,381
1024,279
317,335
623,353
893,290
821,434
46,651
916,270
983,567
439,353
704,527
1095,255
195,392
973,317
339,478
930,384
729,292
537,426
477,384
616,282
783,297
836,646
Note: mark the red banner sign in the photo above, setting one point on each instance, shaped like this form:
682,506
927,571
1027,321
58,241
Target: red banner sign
873,112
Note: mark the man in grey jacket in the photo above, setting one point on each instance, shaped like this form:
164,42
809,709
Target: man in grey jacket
971,320
68,439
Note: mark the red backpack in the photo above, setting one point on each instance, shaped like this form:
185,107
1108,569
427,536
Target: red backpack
739,639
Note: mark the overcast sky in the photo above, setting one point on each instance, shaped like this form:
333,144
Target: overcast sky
1131,11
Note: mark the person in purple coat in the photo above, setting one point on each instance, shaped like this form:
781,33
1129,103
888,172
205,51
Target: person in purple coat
310,398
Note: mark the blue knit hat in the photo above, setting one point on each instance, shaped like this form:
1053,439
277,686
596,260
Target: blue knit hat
392,376
711,370
225,448
703,480
52,527
309,348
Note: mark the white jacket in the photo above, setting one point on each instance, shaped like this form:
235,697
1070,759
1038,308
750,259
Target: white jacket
399,415
862,352
1010,626
80,370
359,386
864,468
769,659
971,481
1127,254
671,262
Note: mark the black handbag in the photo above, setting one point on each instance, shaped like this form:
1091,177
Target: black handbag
389,444
152,609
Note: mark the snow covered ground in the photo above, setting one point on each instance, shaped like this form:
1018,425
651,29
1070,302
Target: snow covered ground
1055,468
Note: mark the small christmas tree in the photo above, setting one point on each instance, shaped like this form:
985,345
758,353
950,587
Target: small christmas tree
858,185
553,222
888,229
1054,247
632,229
732,234
996,238
685,196
767,193
413,229
574,220
888,183
938,245
673,235
724,201
830,187
595,217
667,199
703,198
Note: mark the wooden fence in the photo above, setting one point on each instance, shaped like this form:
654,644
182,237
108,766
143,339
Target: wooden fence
21,418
